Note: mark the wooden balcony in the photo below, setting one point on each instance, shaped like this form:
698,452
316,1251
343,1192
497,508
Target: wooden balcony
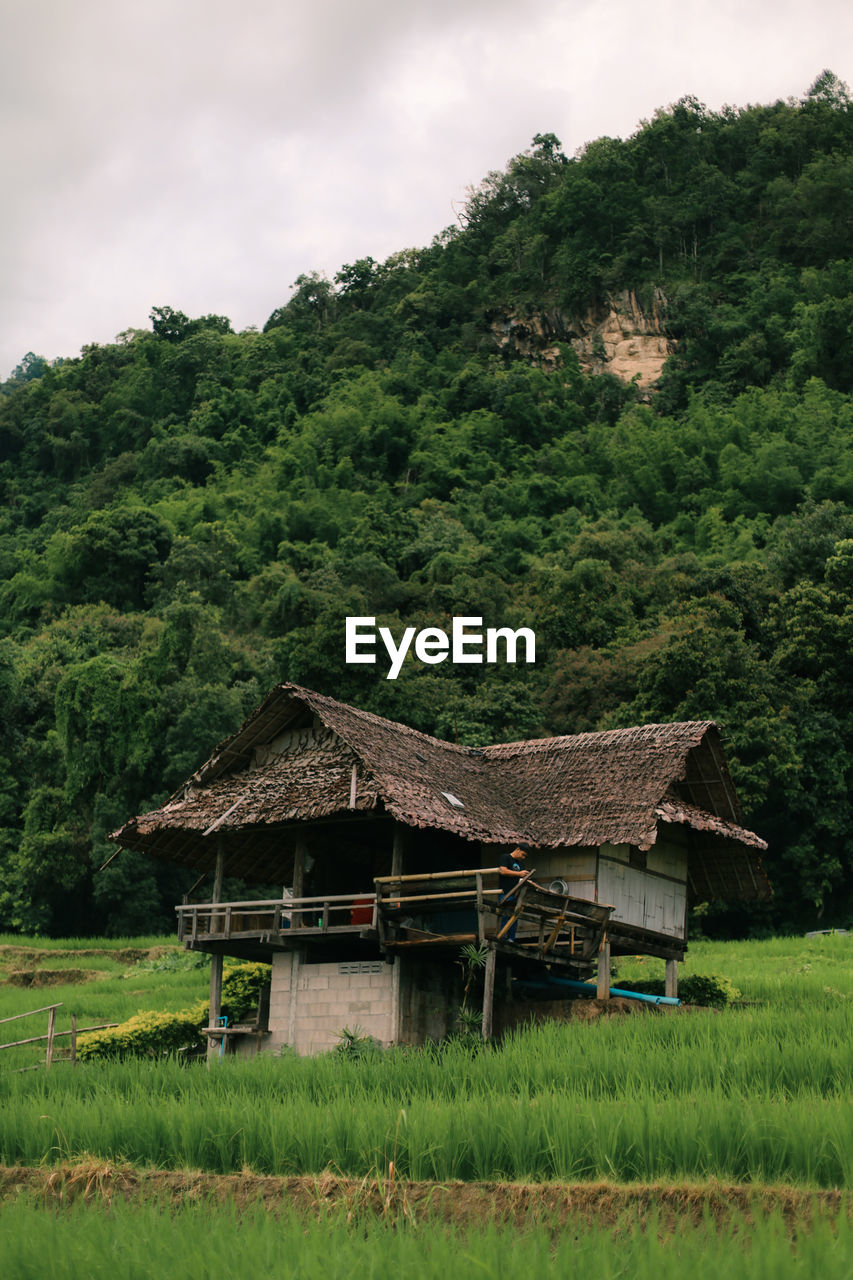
430,912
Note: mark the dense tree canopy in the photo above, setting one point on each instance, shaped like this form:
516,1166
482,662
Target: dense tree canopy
189,514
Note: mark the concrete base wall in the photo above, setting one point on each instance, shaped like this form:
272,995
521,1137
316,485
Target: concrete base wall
404,1002
311,1004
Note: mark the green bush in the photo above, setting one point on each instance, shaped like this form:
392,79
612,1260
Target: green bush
241,989
711,990
146,1034
150,1034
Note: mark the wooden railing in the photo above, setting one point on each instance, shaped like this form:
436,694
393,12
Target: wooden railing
272,917
52,1034
527,916
413,910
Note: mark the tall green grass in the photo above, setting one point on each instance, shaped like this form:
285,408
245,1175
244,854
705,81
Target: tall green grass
549,1138
199,1243
753,1094
791,968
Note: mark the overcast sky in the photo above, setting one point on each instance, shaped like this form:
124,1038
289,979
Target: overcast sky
201,154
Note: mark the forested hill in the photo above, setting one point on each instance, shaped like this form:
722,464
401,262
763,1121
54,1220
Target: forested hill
189,514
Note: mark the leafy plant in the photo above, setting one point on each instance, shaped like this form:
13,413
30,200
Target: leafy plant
353,1042
711,990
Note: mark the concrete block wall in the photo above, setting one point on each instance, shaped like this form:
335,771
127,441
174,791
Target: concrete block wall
279,1017
311,1004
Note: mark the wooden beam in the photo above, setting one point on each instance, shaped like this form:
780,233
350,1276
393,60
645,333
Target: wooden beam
227,814
51,1028
671,983
438,897
489,992
433,940
219,871
727,787
398,853
101,1026
481,923
298,880
30,1012
603,977
517,910
437,875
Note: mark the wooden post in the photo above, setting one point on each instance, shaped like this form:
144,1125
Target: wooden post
481,924
51,1028
298,880
489,991
671,987
216,960
396,1001
213,1043
218,876
401,839
603,979
74,1039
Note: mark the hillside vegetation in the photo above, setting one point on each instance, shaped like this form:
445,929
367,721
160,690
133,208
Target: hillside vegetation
189,513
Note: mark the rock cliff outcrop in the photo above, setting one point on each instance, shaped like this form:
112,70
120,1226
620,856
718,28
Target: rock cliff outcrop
619,338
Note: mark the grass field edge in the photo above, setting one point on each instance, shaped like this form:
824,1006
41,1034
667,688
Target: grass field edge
462,1204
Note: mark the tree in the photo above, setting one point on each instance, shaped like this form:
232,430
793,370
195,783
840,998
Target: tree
110,557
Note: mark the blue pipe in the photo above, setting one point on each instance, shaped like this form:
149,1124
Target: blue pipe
589,988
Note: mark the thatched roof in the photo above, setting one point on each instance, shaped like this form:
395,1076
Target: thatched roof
302,756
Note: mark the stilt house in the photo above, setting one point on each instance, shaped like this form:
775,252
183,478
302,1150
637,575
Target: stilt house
383,846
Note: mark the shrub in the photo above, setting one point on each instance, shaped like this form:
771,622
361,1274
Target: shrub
711,990
146,1034
150,1034
241,988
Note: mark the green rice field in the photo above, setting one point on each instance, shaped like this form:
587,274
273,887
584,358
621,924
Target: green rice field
198,1243
754,1095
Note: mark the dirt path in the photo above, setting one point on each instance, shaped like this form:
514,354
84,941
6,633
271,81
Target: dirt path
461,1203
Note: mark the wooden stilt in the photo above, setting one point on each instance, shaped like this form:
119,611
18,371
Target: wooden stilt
215,1002
671,986
489,992
51,1028
213,1042
74,1040
603,981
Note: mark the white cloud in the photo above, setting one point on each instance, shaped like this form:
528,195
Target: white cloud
201,155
